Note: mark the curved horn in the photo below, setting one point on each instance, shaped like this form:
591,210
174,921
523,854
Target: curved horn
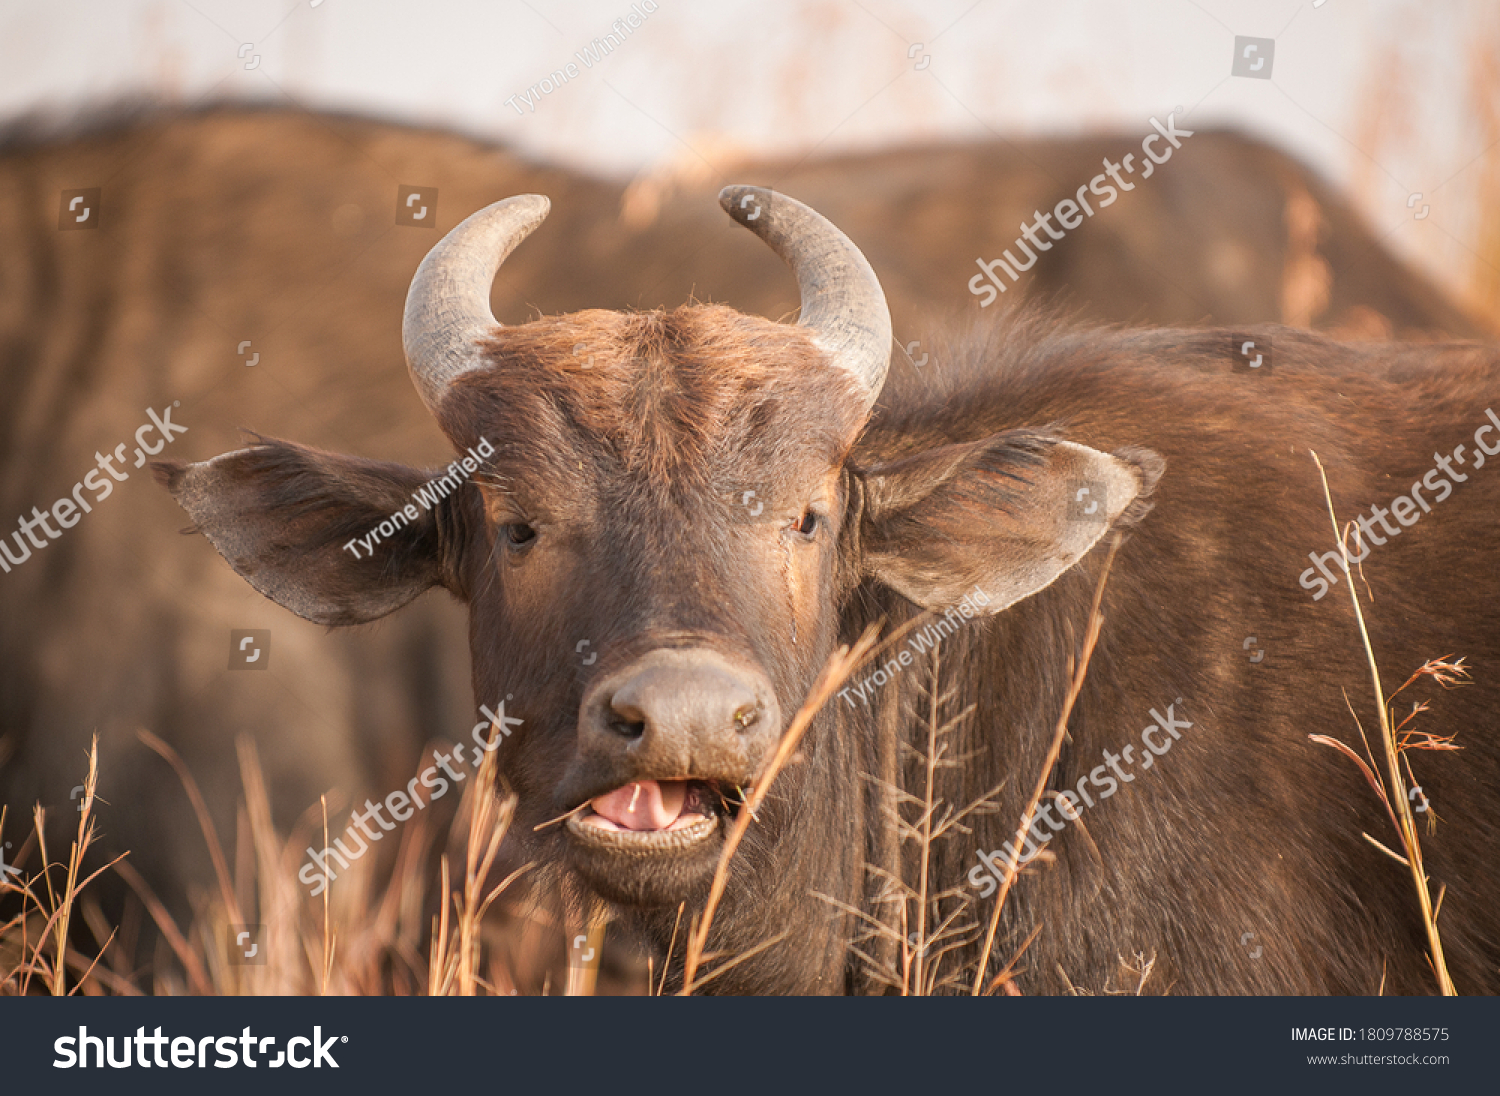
448,304
842,302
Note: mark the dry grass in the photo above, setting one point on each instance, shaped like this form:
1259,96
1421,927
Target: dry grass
370,939
920,925
1080,671
35,943
838,667
1396,742
456,955
367,941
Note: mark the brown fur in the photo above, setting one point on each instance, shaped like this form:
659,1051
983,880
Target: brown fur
631,475
228,223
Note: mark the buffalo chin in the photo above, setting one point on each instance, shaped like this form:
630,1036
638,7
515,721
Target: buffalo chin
647,869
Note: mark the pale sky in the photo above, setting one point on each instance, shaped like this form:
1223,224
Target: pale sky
1377,95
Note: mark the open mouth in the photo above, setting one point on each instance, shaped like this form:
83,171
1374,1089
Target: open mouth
655,814
653,843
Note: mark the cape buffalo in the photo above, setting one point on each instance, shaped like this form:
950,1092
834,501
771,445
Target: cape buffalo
674,517
232,236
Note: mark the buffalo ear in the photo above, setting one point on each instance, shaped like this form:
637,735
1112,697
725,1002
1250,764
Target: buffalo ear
1008,514
281,515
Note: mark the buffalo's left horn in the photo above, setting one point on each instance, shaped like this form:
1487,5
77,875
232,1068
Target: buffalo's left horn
448,304
842,302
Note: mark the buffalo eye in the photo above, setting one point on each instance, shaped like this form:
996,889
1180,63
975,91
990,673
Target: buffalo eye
807,525
519,535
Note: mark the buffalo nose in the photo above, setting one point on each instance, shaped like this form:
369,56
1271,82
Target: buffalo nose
682,712
682,700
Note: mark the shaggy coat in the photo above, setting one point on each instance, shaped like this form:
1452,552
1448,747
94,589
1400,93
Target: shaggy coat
617,510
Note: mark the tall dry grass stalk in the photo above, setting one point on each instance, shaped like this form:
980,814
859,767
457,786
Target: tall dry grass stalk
921,951
455,964
1394,746
36,942
356,938
838,667
1012,868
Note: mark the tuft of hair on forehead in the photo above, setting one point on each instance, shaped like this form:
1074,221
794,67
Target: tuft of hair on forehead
665,393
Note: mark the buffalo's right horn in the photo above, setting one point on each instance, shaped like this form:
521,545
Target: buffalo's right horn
448,304
842,302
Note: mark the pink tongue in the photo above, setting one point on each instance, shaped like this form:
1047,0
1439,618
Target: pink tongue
646,805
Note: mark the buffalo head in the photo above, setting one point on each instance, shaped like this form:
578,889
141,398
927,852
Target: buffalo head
667,522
